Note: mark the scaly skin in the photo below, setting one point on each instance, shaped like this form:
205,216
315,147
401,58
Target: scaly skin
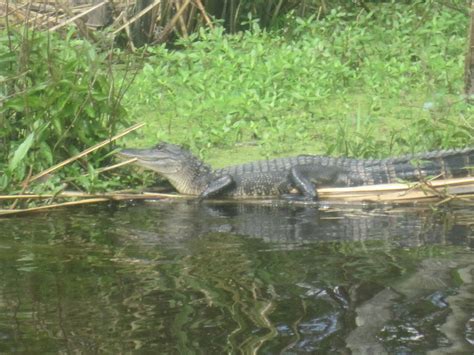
305,173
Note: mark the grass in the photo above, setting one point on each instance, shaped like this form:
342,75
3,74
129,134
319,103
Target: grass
366,85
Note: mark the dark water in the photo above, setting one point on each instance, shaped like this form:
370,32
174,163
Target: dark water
185,278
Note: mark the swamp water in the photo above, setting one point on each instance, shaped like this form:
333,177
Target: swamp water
171,277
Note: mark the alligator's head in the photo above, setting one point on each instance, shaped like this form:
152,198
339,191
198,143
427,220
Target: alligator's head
187,173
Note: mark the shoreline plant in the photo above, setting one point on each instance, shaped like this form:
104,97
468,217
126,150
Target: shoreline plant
58,97
373,84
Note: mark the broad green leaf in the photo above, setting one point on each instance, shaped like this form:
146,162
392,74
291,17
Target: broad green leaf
21,151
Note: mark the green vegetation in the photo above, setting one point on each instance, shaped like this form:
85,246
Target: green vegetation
353,82
58,97
358,84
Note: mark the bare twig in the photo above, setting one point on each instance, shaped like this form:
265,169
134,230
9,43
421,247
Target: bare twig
204,13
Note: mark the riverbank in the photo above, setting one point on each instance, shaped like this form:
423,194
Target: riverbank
361,84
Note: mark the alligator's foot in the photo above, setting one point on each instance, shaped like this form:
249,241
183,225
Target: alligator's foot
303,183
217,186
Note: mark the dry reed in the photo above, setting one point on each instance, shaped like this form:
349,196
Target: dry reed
437,191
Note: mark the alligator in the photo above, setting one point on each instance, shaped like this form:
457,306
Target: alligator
303,174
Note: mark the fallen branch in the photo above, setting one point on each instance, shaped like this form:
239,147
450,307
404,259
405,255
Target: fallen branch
383,192
88,199
111,196
401,192
56,205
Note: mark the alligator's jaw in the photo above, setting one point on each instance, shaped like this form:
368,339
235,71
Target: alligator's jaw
184,171
155,160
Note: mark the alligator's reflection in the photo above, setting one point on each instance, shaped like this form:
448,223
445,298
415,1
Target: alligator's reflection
286,226
369,302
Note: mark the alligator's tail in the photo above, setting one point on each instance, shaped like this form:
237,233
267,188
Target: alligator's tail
443,164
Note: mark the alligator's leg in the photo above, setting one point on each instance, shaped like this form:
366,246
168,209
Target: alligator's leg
300,179
217,186
307,178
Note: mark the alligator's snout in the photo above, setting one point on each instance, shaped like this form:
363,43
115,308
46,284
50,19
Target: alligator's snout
186,173
126,153
140,154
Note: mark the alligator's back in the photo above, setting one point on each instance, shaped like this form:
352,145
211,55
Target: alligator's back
330,171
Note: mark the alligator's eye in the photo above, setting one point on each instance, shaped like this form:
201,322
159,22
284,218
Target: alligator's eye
160,146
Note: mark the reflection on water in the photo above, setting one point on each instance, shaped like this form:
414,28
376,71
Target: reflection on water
179,277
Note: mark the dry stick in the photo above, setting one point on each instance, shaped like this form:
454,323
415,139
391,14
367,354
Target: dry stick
107,168
15,9
79,8
386,192
170,25
204,13
118,19
137,16
97,199
277,11
398,192
74,18
237,15
87,151
420,184
109,196
181,20
45,20
57,205
191,19
44,17
130,39
447,199
319,13
428,188
20,15
42,7
81,27
24,187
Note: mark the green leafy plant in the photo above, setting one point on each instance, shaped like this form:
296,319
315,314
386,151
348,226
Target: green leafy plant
351,83
58,97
